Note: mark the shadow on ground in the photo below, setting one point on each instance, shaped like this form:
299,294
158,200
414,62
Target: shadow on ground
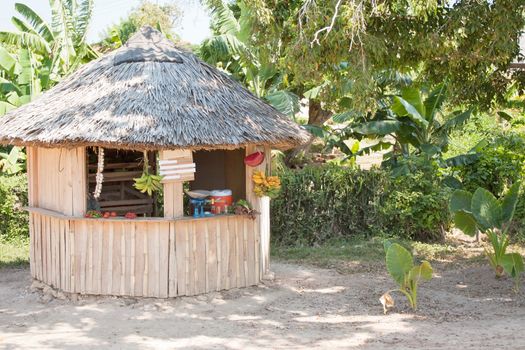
304,307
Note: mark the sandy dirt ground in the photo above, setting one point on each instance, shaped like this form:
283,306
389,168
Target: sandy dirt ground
303,308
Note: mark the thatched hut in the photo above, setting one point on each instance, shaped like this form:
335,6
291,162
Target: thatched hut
144,102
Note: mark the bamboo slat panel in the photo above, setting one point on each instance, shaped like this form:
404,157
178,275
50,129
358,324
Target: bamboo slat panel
57,179
148,259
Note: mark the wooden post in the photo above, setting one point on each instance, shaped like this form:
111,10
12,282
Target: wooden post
173,193
263,207
265,238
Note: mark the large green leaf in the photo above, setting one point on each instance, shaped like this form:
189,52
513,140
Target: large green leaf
344,117
462,159
39,25
430,149
466,222
508,204
23,39
82,18
460,200
426,270
413,97
399,262
402,108
7,61
8,86
285,102
224,19
26,74
380,127
423,271
486,209
456,121
434,101
512,264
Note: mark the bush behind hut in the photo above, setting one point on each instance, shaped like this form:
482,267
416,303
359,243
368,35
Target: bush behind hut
13,196
319,203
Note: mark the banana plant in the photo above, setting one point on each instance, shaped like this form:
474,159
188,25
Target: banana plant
400,265
12,162
230,50
411,123
484,212
22,78
63,41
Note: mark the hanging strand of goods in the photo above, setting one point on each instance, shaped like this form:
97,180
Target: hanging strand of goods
100,175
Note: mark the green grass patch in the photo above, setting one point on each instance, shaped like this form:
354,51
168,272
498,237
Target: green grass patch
14,254
340,254
365,254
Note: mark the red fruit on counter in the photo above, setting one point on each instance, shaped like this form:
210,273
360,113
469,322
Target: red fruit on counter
113,214
130,215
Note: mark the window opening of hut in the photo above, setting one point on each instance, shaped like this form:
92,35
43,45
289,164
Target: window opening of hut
218,181
118,193
220,174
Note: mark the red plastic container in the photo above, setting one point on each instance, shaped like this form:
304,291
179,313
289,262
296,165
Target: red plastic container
254,159
222,199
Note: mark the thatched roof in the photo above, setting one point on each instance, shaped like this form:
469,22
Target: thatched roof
149,94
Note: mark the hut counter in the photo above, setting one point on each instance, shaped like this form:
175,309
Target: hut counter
153,257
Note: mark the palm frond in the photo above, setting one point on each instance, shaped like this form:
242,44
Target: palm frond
224,20
31,40
21,25
223,47
39,25
82,19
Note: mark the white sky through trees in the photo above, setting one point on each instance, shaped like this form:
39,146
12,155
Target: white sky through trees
194,25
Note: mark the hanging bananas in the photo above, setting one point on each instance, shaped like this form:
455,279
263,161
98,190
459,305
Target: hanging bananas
148,183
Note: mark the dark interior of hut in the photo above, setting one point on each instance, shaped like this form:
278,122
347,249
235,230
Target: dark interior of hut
118,193
221,172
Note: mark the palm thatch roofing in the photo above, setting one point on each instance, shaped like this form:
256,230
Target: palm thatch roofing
149,94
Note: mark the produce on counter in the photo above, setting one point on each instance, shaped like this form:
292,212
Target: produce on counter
130,215
93,214
243,207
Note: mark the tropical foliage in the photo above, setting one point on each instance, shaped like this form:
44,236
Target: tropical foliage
63,42
400,265
411,123
349,43
230,49
484,212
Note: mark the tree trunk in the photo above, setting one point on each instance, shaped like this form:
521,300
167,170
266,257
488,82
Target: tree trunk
317,116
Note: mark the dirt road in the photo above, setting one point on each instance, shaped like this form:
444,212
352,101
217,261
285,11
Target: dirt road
303,308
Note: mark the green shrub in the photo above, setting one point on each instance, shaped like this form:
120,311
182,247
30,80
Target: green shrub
500,164
13,196
320,203
415,205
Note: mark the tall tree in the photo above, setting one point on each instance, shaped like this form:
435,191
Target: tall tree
163,17
348,43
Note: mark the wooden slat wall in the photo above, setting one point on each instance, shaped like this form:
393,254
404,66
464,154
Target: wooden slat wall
213,255
151,259
57,179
